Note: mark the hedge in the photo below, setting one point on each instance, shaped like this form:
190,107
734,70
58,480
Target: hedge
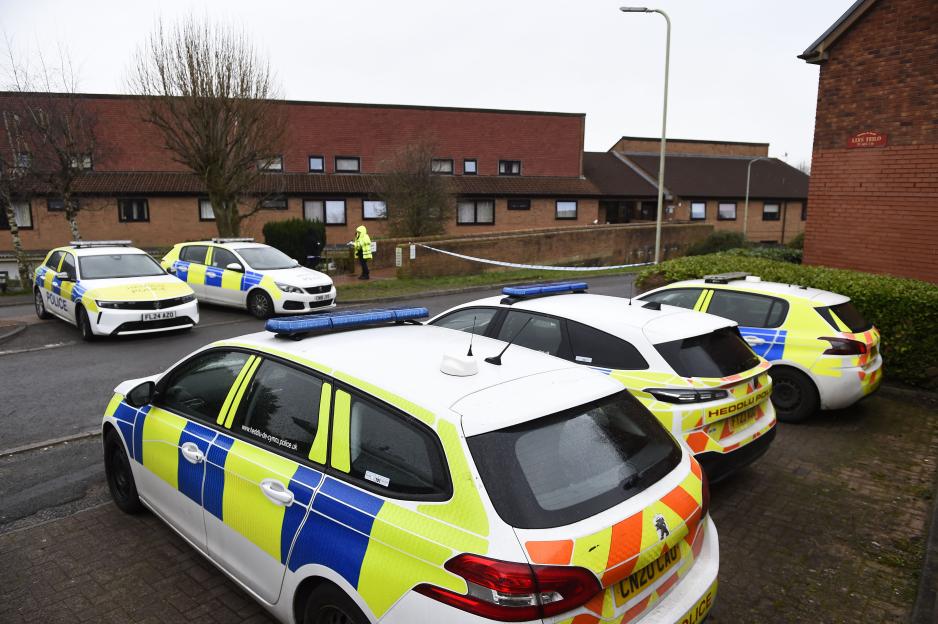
297,238
904,310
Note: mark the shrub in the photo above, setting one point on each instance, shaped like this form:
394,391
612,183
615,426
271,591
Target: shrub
718,241
297,238
904,310
769,252
797,242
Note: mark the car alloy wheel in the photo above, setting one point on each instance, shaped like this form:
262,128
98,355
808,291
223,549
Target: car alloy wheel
40,305
260,305
120,477
84,325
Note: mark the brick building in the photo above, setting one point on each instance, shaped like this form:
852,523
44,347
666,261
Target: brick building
874,183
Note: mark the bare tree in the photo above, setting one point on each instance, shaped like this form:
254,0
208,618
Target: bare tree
418,199
15,183
211,96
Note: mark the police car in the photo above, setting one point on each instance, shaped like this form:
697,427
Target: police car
824,354
361,467
692,370
239,272
109,288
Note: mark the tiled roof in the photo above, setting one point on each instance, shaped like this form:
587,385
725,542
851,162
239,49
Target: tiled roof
724,176
612,176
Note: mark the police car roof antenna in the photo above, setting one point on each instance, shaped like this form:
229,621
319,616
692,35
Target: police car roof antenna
631,290
471,336
497,359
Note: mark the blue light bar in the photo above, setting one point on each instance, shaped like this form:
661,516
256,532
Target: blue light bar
554,288
342,320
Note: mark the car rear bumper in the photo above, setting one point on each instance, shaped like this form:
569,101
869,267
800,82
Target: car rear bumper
107,322
850,385
718,466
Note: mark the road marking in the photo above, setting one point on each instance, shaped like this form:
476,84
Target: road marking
53,442
54,345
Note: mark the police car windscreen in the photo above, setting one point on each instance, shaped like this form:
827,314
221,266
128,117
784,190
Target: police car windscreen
118,265
720,353
266,258
562,468
851,317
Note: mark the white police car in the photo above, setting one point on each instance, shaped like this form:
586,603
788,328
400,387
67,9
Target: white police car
239,272
692,370
343,471
109,288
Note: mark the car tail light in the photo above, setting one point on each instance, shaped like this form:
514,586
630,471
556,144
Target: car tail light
686,395
514,592
845,346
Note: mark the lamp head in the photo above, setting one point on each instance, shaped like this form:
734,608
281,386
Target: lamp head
634,9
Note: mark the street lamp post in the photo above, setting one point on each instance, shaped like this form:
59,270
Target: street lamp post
664,121
746,207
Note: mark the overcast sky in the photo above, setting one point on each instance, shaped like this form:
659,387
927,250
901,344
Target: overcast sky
734,71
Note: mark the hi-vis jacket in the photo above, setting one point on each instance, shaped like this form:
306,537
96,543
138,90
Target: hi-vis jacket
362,243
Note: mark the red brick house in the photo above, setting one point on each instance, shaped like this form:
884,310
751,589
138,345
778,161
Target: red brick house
873,195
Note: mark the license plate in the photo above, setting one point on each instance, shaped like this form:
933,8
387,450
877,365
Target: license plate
632,586
322,297
157,316
741,421
700,610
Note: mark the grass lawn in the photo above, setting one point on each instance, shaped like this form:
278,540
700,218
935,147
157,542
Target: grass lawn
376,289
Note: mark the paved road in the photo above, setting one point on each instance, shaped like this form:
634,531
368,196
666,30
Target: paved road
54,385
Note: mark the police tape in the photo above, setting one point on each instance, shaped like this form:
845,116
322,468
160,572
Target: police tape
539,267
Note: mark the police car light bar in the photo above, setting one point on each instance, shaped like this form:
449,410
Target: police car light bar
100,243
537,290
724,278
233,240
293,326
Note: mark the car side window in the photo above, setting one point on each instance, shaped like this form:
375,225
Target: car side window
541,333
747,309
194,253
198,388
393,452
68,267
597,348
680,297
474,320
54,259
281,408
221,258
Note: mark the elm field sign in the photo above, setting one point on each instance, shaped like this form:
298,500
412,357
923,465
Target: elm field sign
869,138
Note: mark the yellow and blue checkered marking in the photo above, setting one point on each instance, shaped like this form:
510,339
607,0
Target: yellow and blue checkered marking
774,344
214,276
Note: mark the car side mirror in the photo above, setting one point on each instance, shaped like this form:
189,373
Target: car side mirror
142,394
234,266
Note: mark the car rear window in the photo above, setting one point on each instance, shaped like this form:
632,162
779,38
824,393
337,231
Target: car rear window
568,466
720,353
848,314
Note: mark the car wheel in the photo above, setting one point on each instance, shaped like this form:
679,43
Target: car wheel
260,305
40,305
793,394
84,325
327,604
120,478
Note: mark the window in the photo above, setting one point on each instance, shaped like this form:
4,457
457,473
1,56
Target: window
194,253
57,204
509,167
374,209
274,163
117,265
330,211
566,209
770,212
22,213
281,409
54,259
475,212
680,297
317,164
313,210
276,202
82,161
347,164
441,165
519,204
394,453
335,212
804,211
473,320
470,166
748,310
68,267
726,211
541,333
698,211
133,209
597,348
221,258
198,388
720,353
206,212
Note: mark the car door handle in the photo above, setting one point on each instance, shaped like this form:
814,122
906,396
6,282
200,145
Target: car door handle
754,340
276,492
191,452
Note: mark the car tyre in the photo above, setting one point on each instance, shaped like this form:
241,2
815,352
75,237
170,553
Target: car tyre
120,477
41,311
84,324
260,305
327,604
794,395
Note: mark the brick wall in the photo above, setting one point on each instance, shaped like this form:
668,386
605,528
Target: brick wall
876,209
679,146
587,246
